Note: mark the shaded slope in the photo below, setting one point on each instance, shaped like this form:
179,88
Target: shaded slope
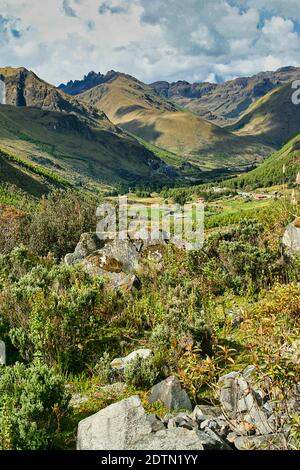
14,173
274,118
137,108
77,151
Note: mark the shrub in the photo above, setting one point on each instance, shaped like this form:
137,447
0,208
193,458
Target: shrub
238,259
61,314
59,221
103,369
32,401
143,372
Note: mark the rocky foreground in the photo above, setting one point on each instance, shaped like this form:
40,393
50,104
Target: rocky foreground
245,419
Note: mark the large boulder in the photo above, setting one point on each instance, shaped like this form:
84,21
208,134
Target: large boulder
291,238
119,259
126,426
171,393
242,405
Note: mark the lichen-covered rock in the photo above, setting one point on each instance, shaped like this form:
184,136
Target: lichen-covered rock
171,393
204,412
212,441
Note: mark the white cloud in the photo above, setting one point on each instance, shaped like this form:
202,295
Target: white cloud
157,39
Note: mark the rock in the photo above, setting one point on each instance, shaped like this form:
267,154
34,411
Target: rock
88,244
116,280
124,254
268,442
171,394
291,239
248,372
118,427
117,259
182,420
242,405
119,364
209,423
295,351
2,353
172,424
211,441
155,423
204,412
126,426
167,418
171,439
231,437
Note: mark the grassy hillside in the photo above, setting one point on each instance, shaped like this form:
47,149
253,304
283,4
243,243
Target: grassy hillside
273,118
137,108
271,171
72,150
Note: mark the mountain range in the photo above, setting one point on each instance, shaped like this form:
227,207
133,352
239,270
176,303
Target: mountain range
114,129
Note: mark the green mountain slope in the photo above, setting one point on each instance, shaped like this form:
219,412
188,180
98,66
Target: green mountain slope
73,139
76,151
274,118
271,171
137,108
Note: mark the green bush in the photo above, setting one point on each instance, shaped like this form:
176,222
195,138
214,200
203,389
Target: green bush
32,401
61,314
59,221
143,372
239,260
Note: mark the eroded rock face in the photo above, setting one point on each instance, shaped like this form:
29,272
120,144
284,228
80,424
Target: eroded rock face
171,393
126,426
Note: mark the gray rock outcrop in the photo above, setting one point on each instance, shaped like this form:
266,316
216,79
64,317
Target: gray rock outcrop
126,426
118,260
171,394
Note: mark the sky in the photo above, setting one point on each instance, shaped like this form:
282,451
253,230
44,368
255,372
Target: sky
193,40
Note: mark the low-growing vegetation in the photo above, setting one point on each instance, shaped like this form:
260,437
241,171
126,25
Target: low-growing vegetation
233,303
